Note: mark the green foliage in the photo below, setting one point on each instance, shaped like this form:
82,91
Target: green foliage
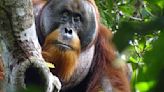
138,27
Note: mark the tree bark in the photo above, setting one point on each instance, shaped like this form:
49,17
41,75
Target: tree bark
21,53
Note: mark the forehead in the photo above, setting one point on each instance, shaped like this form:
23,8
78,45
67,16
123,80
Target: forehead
74,5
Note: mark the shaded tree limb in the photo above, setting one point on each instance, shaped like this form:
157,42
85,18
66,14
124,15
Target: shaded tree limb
21,53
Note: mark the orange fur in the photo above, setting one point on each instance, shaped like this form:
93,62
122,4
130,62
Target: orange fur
104,59
1,69
39,2
64,61
117,76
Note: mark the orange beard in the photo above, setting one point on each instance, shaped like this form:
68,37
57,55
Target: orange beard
64,61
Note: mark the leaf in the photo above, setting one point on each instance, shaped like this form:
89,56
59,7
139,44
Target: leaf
50,65
144,86
127,30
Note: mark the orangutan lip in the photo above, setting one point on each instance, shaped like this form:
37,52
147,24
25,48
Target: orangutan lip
62,45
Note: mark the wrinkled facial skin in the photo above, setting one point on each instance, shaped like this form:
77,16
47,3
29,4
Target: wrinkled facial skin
69,16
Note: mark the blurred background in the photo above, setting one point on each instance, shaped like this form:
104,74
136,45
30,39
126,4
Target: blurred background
138,27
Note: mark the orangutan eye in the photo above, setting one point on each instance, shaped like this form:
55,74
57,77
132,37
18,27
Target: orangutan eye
77,18
65,16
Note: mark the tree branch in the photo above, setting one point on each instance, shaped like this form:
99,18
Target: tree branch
21,52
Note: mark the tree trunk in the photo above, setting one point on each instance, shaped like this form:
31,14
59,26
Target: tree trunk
21,53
